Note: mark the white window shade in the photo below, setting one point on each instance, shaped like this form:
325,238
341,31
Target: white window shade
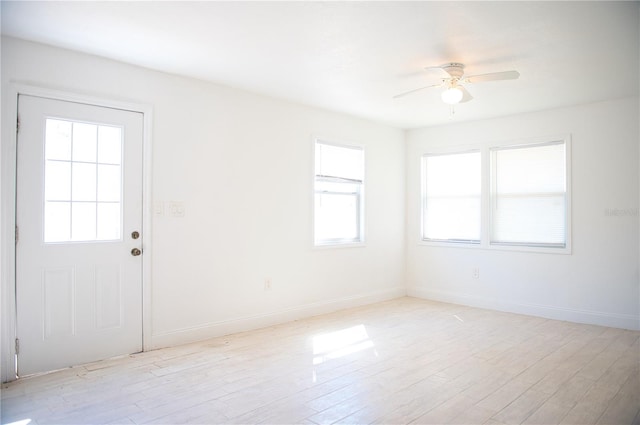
529,195
452,203
339,161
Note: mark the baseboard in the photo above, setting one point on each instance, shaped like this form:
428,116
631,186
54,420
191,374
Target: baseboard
226,327
623,321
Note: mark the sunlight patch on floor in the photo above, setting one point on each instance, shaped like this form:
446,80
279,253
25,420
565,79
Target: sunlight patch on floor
340,343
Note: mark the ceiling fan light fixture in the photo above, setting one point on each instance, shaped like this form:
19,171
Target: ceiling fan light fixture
452,95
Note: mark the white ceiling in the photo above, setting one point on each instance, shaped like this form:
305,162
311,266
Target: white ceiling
353,57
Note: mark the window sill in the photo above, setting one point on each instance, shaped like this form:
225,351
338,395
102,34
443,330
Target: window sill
339,245
498,247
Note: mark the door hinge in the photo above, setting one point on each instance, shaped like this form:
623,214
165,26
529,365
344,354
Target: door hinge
17,233
17,346
18,124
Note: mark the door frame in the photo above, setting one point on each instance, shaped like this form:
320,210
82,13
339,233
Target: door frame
8,179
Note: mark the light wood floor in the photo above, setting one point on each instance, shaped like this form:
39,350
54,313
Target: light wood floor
401,361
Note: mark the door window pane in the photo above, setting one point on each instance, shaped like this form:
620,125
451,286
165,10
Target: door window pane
108,221
109,145
57,218
83,221
84,142
58,136
83,182
83,187
109,183
57,184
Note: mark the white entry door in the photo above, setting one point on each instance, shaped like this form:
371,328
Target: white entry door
79,233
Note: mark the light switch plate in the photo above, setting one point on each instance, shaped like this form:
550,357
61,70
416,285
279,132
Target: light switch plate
176,209
158,208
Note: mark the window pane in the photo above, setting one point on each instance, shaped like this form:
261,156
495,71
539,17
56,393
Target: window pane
84,142
84,182
57,221
452,197
529,195
336,217
108,227
83,227
109,183
58,139
454,219
534,220
109,145
57,181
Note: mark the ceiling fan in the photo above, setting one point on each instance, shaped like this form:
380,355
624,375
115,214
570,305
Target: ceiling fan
452,77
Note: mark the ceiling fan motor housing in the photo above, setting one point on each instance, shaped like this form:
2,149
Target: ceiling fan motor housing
455,69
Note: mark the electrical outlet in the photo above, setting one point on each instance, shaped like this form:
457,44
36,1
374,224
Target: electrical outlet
267,284
475,273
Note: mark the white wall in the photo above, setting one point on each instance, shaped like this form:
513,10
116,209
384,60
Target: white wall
598,282
242,165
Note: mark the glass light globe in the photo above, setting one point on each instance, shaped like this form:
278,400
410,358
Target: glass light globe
452,95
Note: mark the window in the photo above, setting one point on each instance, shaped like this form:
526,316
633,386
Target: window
506,197
451,199
83,189
338,200
528,195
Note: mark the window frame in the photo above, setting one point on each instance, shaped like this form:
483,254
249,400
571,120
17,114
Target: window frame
359,240
485,149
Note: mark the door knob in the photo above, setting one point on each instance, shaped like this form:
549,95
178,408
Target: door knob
135,252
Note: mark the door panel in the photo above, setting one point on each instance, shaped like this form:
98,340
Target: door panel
79,198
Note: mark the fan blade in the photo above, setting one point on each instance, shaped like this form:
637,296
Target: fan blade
415,90
437,71
466,96
494,76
